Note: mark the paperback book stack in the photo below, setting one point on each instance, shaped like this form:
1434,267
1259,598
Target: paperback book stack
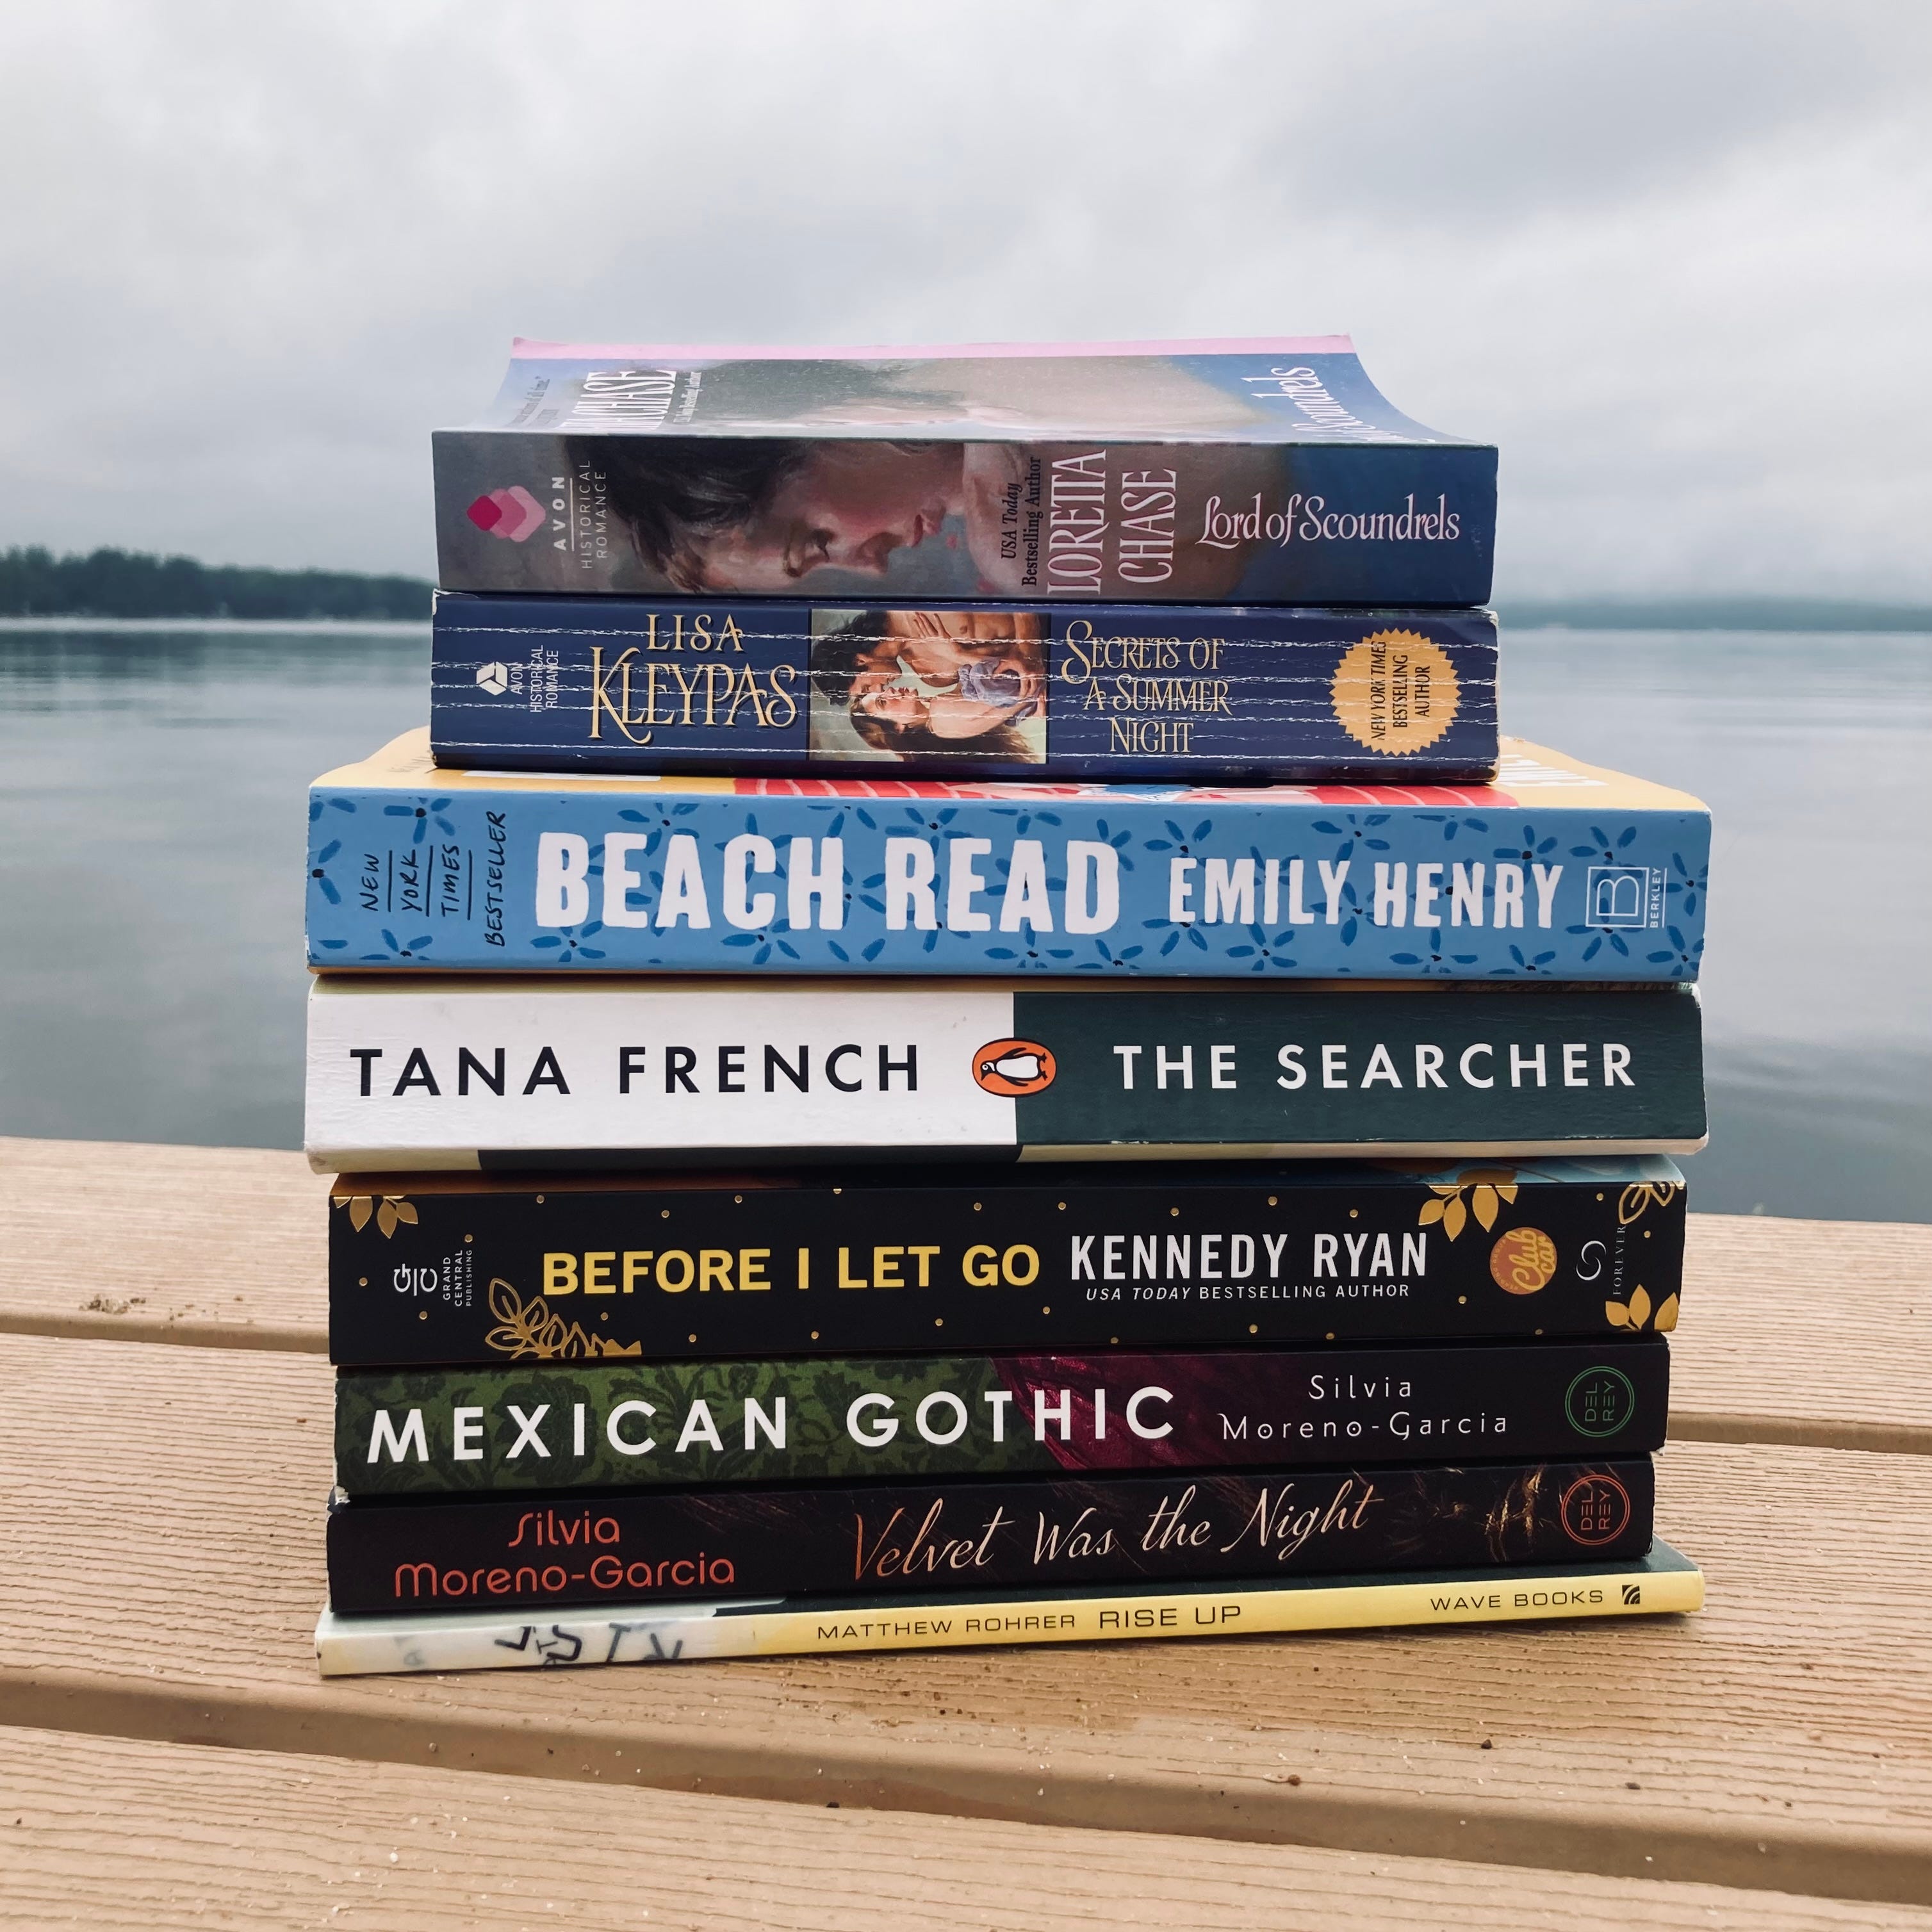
962,1030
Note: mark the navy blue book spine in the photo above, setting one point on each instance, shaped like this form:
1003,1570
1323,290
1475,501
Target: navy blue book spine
1097,692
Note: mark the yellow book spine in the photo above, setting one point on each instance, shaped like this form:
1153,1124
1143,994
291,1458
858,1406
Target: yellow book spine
349,1646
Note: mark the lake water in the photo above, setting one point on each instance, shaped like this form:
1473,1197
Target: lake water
152,815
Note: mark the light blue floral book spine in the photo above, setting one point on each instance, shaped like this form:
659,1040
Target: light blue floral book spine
1556,870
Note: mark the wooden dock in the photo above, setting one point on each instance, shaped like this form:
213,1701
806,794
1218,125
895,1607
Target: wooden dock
172,1758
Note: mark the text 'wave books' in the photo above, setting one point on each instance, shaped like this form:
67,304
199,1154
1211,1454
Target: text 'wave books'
896,1537
427,1269
612,1425
1269,471
1662,1582
1558,870
1170,692
428,1072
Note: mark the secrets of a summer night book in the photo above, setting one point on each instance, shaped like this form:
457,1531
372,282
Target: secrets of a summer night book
1556,870
1212,693
1263,471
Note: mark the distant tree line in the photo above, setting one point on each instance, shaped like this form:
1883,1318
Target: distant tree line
34,582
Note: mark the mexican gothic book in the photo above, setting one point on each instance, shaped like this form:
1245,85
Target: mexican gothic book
1557,870
1270,471
426,1270
1103,691
409,1072
612,1425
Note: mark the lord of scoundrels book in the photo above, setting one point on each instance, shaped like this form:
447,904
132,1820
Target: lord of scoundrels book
1269,471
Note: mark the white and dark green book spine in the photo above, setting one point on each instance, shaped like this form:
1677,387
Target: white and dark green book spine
1663,1583
422,1072
428,1270
622,1425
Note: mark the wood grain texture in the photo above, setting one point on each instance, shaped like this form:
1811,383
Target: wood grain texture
1793,1331
1781,1740
1805,1332
212,1246
123,1835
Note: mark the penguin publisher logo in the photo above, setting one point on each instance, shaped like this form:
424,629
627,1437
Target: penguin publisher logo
1013,1067
514,515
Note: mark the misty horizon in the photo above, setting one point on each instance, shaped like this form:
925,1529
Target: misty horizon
267,254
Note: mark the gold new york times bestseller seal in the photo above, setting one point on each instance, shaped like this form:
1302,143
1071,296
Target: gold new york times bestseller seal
1395,691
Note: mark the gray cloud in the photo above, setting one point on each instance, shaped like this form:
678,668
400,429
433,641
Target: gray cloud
1672,256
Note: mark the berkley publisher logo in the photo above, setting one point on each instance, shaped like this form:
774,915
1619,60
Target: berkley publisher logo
513,514
1012,1066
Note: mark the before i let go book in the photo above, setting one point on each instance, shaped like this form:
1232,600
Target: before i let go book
428,1270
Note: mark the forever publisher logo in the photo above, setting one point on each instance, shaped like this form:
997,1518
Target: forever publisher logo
511,514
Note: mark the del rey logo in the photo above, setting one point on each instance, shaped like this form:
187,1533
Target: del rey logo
513,514
1595,1509
1011,1067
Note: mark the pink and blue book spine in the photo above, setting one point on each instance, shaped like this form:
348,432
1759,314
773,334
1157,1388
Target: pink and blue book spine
1261,472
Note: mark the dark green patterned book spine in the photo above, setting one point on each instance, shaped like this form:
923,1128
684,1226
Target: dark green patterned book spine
607,1425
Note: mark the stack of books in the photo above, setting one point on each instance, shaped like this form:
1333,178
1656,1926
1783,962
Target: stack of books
962,1031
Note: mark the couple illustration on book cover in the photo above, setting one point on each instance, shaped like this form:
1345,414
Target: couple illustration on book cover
759,513
899,684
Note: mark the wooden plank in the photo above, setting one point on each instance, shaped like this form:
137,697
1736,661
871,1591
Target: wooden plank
117,1833
1805,1332
213,1247
1782,1741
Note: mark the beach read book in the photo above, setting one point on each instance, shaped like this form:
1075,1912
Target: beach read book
1556,870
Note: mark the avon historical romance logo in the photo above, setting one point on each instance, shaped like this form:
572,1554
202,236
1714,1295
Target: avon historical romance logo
511,514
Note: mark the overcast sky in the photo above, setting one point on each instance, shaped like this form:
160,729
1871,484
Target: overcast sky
1674,255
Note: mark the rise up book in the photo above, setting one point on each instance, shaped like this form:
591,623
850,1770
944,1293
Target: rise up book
431,1269
533,1552
1268,471
1557,870
412,1072
1661,1583
1109,692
